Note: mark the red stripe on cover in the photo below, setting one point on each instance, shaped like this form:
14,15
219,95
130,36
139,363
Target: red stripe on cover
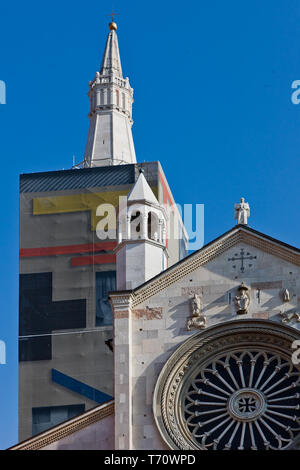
93,259
165,191
67,249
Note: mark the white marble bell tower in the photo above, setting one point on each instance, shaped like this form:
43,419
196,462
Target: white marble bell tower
141,252
110,139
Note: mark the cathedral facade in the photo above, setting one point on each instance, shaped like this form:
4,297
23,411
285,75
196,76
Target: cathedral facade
204,351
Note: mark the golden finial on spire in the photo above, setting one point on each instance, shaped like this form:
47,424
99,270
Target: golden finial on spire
113,26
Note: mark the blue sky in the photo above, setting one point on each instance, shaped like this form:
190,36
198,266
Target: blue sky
212,87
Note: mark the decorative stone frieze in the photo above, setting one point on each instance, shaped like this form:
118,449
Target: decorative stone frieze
148,313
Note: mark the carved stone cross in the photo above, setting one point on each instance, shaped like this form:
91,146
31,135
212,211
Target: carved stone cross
242,258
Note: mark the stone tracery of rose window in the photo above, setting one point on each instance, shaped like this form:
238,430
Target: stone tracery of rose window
244,400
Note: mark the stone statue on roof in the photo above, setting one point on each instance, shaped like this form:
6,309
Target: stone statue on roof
242,212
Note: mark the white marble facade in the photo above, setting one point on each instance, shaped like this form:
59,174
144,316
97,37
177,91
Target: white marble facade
150,323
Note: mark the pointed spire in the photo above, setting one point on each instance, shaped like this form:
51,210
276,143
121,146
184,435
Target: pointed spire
141,191
110,139
111,62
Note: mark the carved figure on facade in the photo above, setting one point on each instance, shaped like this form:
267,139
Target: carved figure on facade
288,317
286,297
242,300
196,319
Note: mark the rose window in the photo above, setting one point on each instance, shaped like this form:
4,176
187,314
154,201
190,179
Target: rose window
232,386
